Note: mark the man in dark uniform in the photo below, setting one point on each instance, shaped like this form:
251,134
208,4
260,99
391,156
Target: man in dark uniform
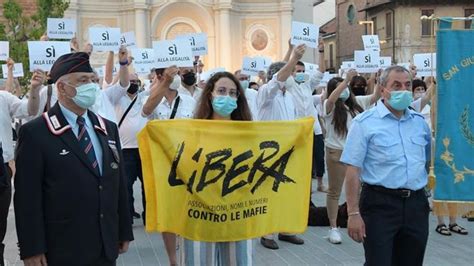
71,202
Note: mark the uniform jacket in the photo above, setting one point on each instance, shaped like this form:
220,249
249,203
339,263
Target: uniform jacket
62,207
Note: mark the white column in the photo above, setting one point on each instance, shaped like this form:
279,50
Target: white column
141,28
224,39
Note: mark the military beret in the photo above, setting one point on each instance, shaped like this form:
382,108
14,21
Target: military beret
69,63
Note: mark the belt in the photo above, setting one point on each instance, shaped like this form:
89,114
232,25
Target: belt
400,192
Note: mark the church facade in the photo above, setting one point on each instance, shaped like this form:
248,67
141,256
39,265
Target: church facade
235,28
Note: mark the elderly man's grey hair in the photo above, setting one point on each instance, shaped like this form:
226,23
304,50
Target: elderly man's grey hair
274,68
384,76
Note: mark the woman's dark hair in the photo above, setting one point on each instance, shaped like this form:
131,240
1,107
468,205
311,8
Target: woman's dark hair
357,80
340,110
417,83
204,108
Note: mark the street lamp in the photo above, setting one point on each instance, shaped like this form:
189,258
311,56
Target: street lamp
371,23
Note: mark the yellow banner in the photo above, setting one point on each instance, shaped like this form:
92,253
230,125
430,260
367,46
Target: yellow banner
218,181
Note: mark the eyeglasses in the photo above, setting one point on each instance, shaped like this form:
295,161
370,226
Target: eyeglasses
222,91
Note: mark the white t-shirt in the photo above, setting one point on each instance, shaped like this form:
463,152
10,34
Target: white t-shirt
164,109
251,96
10,107
196,95
274,104
332,139
134,121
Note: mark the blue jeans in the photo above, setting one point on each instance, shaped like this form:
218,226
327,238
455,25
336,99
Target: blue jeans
133,170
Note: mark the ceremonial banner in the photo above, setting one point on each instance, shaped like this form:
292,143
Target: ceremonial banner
454,157
219,181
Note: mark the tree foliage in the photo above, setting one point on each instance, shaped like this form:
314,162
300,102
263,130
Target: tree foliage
18,28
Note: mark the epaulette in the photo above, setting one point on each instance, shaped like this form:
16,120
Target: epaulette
364,115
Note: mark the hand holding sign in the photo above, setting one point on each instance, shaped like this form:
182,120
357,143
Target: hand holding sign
299,51
350,75
38,78
123,55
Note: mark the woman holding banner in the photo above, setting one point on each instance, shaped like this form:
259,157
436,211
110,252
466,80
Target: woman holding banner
222,99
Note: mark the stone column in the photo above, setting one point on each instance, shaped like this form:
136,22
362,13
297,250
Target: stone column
224,39
142,31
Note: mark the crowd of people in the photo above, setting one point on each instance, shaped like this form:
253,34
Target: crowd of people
77,155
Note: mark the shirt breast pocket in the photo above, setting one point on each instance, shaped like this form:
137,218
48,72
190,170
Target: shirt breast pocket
387,148
418,145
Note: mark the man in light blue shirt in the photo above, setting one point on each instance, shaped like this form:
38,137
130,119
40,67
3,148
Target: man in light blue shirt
386,150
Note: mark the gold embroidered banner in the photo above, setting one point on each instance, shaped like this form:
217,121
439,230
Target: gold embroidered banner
218,181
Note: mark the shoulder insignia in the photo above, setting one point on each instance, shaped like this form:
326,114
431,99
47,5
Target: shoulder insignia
53,124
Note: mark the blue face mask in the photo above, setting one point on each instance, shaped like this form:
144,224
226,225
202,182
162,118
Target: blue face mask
345,95
86,95
300,77
224,105
244,84
400,100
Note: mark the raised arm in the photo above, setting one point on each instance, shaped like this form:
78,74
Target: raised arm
9,83
322,62
36,84
158,90
109,68
288,52
287,70
123,72
331,101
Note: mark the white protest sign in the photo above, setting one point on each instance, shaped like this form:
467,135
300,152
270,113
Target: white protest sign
366,61
4,51
128,39
267,61
61,28
143,60
371,42
105,39
114,70
326,78
205,76
174,52
348,65
43,54
100,71
310,68
251,66
385,61
304,33
198,42
17,70
424,63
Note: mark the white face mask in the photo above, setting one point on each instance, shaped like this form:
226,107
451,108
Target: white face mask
418,95
176,83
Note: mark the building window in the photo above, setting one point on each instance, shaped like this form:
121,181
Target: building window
374,20
468,13
351,14
331,56
388,25
426,26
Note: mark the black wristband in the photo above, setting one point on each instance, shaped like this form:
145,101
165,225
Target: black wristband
321,51
124,63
